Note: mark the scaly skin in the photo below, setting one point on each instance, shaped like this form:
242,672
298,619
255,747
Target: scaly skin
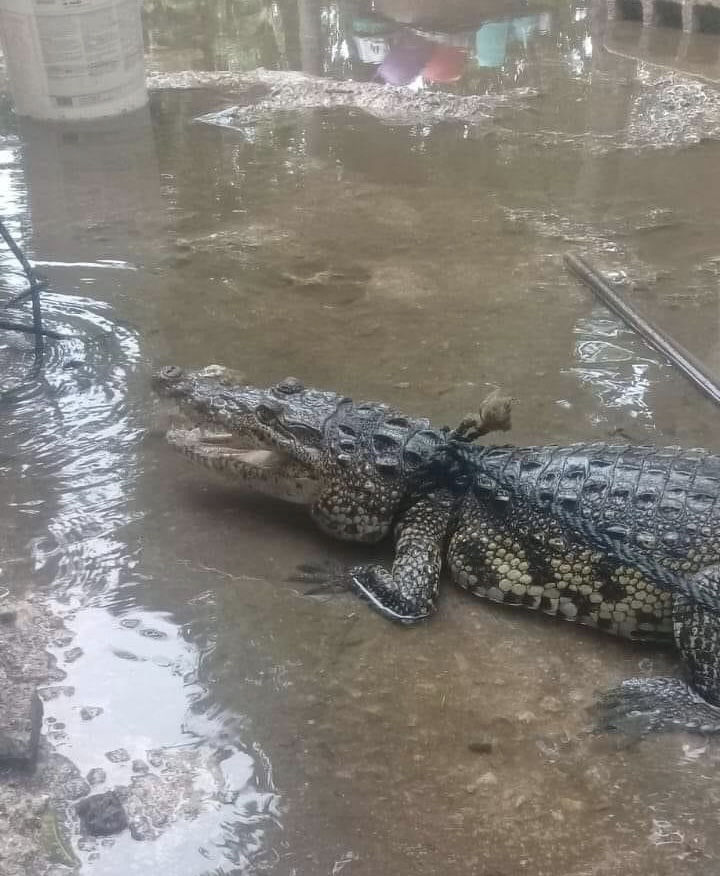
357,461
621,538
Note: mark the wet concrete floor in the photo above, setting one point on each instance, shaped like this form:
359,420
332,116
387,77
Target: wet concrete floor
312,737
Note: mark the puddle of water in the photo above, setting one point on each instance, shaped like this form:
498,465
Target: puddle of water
419,264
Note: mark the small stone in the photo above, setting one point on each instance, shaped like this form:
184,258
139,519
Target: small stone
8,615
63,639
140,767
102,814
119,755
87,713
486,779
96,776
526,717
141,829
30,822
481,746
40,804
73,654
155,759
52,693
127,655
159,660
151,633
571,805
75,788
21,715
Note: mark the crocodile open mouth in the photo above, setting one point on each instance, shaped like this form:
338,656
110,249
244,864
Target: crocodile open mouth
266,439
257,468
224,445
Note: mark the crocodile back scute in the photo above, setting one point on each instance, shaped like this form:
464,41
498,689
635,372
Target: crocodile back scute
389,442
663,501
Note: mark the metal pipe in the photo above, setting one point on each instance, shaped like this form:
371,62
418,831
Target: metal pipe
693,369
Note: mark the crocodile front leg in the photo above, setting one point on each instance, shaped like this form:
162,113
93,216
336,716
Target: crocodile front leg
640,705
407,594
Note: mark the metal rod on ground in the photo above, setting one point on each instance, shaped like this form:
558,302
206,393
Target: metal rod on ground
692,369
34,288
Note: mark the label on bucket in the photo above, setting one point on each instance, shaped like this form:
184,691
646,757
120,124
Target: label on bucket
74,59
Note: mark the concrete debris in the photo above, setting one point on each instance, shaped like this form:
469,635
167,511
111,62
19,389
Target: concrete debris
286,90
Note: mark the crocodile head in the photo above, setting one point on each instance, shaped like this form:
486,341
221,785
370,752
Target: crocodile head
352,464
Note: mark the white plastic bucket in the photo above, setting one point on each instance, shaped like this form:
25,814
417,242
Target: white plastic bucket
73,59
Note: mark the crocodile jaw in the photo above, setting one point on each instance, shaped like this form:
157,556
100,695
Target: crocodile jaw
259,470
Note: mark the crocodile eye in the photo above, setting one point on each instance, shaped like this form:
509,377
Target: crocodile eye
305,434
290,386
267,412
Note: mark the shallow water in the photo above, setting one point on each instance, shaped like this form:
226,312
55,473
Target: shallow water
314,737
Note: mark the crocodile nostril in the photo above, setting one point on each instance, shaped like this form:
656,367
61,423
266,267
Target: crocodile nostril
267,412
290,386
171,373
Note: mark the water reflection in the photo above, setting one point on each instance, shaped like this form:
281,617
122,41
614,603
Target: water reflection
87,200
412,44
218,34
104,178
616,365
397,42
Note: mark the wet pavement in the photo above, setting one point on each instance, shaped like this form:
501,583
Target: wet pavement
416,263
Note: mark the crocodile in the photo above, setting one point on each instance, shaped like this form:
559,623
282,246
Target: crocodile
619,537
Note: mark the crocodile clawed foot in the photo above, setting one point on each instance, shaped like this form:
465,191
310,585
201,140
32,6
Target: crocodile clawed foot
323,578
372,584
640,706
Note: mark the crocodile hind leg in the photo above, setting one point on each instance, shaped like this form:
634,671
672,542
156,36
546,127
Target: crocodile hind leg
407,593
640,705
